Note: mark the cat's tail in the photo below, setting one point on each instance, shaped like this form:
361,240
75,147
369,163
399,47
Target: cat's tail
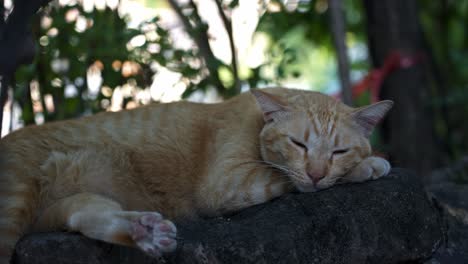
18,198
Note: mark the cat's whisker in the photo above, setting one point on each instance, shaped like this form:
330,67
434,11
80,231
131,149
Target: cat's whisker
284,168
285,182
266,164
285,171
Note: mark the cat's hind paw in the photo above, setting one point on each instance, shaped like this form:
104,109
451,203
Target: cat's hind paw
153,234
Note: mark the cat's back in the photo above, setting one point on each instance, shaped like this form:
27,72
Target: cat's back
150,125
124,126
146,125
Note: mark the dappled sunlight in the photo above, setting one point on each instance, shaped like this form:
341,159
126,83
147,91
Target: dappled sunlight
146,54
167,86
37,102
94,79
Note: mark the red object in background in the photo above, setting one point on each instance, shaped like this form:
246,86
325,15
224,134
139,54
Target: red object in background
374,79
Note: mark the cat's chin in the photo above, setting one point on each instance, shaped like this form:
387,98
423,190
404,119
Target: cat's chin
306,188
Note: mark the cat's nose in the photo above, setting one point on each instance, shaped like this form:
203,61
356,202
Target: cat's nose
315,176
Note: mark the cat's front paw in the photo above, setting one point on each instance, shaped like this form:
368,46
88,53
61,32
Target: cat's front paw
370,168
153,234
378,167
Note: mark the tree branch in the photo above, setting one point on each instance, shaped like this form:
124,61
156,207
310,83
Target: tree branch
2,15
3,98
3,81
228,25
338,30
200,36
16,42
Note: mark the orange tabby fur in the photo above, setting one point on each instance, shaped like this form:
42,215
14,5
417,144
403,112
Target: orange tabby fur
178,159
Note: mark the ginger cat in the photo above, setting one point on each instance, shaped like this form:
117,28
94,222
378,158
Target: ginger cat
109,176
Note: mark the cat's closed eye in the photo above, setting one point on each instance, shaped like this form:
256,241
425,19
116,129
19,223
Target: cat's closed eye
340,152
298,143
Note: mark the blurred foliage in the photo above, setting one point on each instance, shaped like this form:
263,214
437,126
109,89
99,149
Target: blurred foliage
444,22
78,44
74,42
301,42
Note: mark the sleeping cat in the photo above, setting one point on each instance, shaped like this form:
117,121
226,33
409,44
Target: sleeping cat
113,175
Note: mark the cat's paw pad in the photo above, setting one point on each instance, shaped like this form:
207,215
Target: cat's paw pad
153,234
380,167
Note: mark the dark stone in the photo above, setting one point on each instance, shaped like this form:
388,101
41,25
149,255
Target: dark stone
452,197
390,220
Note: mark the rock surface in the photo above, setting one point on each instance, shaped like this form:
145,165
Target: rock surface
453,199
386,221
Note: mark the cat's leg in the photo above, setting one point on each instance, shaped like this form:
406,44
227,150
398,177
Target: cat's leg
101,218
370,168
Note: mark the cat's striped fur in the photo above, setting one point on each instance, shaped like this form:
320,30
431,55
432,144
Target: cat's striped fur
101,175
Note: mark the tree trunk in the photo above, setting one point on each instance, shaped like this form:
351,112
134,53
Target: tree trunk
17,44
393,26
338,29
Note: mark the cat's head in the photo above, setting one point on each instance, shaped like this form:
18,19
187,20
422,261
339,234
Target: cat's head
314,138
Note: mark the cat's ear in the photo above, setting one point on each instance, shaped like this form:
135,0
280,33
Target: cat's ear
368,117
271,105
